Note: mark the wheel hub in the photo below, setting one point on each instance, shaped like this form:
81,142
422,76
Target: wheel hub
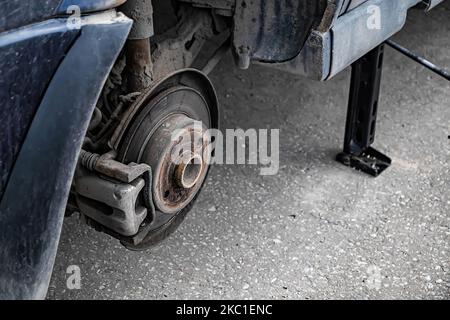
178,161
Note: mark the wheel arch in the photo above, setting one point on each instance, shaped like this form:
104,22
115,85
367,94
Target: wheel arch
33,204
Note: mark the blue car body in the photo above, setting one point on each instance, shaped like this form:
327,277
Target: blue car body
51,74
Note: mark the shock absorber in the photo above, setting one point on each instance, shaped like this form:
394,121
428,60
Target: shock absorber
139,66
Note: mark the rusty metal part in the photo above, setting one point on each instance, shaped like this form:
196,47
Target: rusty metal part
178,162
189,171
139,66
332,11
106,165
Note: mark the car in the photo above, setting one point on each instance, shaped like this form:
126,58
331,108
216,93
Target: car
98,95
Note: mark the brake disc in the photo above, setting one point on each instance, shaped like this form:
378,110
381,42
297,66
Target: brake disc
166,129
